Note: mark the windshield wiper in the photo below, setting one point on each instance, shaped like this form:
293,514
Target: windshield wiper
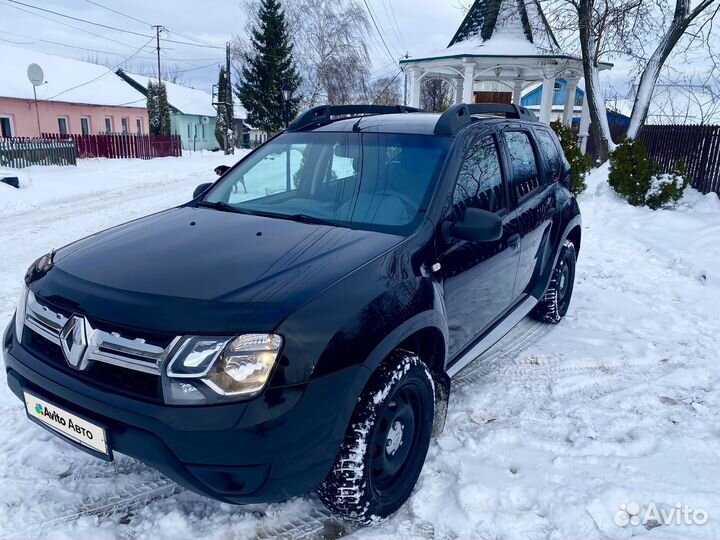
305,218
219,205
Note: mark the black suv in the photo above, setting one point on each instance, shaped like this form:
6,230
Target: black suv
295,326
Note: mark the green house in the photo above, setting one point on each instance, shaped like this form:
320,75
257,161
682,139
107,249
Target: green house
192,115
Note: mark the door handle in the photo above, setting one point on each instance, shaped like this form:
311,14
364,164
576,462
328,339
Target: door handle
514,241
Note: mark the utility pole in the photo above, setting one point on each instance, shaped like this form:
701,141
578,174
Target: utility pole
229,140
158,28
407,55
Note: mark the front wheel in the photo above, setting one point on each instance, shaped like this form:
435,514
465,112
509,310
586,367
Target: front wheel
554,304
386,443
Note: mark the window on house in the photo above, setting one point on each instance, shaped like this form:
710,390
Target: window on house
6,128
139,123
125,123
203,132
189,134
62,125
85,125
108,124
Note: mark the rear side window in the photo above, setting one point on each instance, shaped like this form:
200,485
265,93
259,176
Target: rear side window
480,183
525,174
552,153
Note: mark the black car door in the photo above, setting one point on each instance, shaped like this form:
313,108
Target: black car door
535,197
478,277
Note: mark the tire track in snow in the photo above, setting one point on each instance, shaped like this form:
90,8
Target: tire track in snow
122,502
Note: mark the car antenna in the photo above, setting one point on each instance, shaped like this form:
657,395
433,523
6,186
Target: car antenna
356,125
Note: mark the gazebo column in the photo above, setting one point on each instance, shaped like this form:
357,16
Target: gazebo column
416,88
469,83
546,101
584,125
458,91
569,110
517,92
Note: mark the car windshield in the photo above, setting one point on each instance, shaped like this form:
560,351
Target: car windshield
370,181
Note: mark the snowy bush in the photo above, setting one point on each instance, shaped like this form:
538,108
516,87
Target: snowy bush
637,177
580,164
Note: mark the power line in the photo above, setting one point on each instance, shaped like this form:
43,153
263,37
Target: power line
107,26
83,30
87,49
377,27
119,12
105,74
397,26
79,19
196,40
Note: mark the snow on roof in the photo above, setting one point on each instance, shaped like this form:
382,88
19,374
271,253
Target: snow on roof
675,104
70,81
186,100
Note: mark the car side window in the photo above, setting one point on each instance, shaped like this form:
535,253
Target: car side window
480,184
525,172
550,149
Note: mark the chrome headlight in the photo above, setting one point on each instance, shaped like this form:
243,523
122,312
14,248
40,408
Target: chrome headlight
207,369
20,313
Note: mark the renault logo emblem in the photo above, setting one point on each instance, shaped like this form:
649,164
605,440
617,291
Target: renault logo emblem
74,342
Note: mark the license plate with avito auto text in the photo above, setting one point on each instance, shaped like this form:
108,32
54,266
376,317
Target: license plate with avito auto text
67,424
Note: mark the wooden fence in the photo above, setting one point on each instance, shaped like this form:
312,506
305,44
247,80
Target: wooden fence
697,146
19,152
123,145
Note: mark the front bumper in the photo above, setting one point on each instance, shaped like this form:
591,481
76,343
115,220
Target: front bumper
278,445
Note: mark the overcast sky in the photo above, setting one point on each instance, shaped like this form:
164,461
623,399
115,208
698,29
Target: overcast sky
422,25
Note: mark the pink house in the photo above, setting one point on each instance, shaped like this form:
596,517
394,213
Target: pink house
76,98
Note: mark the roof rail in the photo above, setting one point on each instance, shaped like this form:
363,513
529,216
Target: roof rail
322,115
459,116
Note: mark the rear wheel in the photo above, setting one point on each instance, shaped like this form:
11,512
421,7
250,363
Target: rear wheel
386,444
556,301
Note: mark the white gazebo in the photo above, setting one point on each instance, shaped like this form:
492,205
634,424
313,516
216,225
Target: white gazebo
501,47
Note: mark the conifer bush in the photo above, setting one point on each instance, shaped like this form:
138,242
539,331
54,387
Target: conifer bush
637,177
580,164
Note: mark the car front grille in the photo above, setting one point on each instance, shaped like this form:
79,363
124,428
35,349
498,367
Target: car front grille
129,366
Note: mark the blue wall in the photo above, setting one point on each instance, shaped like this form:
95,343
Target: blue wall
534,97
194,134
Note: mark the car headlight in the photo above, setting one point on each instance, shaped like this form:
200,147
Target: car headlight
40,267
205,369
20,313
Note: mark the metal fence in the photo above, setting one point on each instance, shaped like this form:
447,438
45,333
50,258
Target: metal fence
697,146
19,152
123,145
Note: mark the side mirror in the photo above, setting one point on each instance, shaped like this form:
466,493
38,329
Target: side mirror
477,226
202,188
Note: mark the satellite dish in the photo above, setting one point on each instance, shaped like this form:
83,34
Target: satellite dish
35,74
205,120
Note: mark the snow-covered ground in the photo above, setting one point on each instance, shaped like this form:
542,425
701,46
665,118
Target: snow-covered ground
547,435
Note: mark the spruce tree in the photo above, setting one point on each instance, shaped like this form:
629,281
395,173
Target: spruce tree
267,68
220,122
152,109
164,110
158,109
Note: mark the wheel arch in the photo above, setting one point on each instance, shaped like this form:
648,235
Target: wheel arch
426,336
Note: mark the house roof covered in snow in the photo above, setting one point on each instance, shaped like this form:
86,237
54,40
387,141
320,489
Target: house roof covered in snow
675,104
184,99
67,80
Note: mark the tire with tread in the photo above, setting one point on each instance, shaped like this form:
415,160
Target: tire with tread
353,488
556,300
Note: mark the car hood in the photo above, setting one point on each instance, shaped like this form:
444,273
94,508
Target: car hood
204,270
